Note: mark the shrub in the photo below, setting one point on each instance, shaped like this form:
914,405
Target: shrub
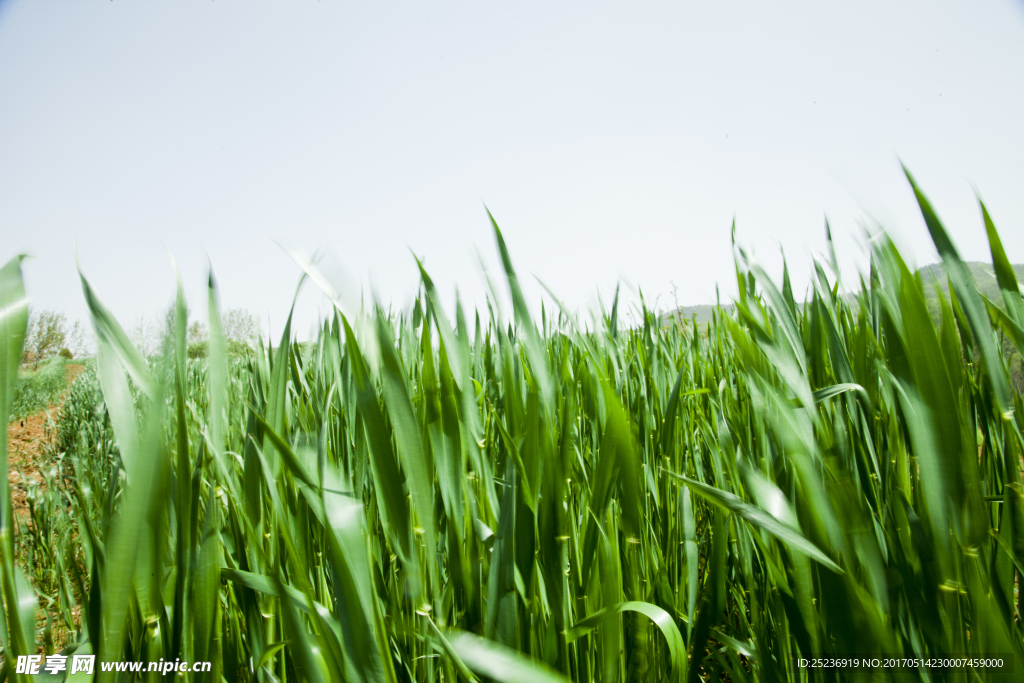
196,350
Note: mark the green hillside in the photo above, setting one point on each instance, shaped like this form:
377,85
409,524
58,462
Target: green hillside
702,314
933,278
932,275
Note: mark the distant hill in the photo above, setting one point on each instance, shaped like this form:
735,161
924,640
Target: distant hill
934,278
703,314
932,275
983,274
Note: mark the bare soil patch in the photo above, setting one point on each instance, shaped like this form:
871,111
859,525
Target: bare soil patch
27,447
29,454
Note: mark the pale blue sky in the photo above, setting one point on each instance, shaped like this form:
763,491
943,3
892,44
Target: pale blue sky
609,140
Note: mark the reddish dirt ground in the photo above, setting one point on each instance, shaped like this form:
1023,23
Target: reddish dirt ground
27,458
27,454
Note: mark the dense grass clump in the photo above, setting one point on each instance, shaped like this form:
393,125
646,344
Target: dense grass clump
443,497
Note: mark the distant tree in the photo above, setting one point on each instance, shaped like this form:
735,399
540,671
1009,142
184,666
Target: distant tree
196,333
195,340
45,335
167,332
145,335
240,325
155,335
166,343
79,341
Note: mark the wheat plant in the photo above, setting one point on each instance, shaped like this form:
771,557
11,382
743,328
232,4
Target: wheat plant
444,496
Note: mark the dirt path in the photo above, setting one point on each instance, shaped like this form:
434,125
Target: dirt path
27,452
28,457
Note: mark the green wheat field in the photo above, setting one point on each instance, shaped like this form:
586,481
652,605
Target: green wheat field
448,496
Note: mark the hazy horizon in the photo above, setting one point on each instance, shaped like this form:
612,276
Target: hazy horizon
610,143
